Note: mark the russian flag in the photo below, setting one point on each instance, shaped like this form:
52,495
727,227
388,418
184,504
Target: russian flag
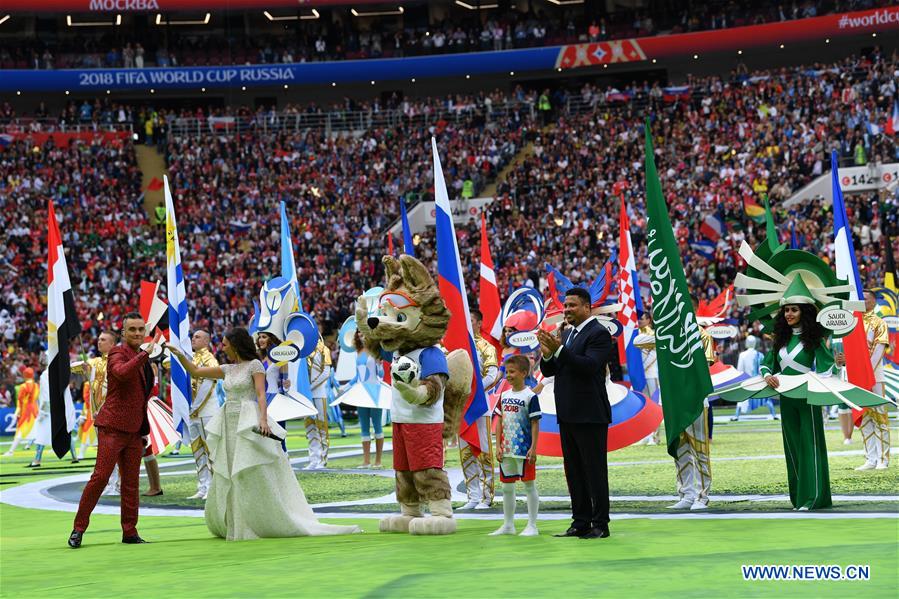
628,291
473,428
855,344
712,227
892,125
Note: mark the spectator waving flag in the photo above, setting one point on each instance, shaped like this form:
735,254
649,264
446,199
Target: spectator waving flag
892,125
628,290
459,335
179,327
684,377
855,344
704,248
408,246
488,294
62,325
712,227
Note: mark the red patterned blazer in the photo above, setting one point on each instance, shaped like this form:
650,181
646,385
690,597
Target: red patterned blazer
129,380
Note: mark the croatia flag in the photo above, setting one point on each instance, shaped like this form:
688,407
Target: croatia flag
62,325
892,125
488,294
179,327
473,428
855,344
628,293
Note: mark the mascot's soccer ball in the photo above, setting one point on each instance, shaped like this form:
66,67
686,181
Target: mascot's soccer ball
405,369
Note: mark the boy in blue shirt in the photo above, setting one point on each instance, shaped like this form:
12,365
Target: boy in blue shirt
516,450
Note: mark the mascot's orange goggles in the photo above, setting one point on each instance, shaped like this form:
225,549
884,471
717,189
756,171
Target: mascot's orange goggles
397,299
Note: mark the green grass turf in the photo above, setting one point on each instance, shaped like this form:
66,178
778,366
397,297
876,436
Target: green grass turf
652,558
319,487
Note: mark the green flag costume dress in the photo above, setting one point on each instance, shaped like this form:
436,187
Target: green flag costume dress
776,277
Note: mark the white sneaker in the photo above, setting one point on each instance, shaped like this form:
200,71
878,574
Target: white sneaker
698,505
482,506
882,466
503,530
198,495
470,505
866,466
529,531
803,509
311,466
847,441
683,504
8,453
111,492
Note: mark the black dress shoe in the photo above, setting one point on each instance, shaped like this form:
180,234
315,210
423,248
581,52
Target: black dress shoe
573,532
75,539
597,532
135,540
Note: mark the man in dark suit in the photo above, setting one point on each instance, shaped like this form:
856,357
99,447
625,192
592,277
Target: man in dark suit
577,359
121,426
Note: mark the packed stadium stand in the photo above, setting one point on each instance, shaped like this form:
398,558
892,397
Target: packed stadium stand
555,171
336,33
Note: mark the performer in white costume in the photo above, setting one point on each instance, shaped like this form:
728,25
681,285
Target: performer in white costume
693,461
646,342
317,426
203,409
875,423
478,470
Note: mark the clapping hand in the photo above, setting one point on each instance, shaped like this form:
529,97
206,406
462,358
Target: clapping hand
549,343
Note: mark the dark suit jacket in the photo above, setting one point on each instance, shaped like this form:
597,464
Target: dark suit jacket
129,381
580,371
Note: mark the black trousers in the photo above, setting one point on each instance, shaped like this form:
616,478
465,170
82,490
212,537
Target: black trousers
584,450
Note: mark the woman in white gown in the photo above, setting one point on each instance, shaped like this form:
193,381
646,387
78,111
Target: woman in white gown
254,492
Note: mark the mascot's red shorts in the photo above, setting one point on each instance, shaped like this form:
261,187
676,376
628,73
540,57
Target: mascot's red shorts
417,446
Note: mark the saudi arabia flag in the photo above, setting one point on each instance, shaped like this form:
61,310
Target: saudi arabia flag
684,377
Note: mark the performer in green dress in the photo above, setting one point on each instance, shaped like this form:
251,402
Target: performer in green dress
787,288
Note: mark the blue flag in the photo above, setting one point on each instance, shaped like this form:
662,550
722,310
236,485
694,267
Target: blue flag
408,246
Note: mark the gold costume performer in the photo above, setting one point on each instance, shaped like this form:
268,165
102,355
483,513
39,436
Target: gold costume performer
478,470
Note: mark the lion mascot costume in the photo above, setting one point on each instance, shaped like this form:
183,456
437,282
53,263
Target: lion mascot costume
429,387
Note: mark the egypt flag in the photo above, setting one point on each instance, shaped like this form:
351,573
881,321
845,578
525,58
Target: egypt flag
473,428
62,325
858,364
488,294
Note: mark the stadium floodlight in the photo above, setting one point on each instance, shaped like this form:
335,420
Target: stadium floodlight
476,7
311,17
565,2
378,13
72,23
204,21
4,19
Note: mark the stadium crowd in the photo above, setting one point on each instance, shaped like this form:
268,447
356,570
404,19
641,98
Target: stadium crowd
344,37
722,146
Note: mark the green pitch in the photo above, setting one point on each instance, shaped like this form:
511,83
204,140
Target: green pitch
649,558
644,557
